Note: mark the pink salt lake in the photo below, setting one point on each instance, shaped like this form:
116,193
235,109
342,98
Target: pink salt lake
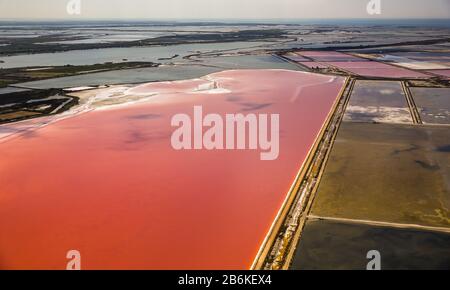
108,183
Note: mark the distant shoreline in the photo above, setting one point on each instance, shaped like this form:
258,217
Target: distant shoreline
428,22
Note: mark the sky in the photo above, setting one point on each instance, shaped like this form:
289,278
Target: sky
221,9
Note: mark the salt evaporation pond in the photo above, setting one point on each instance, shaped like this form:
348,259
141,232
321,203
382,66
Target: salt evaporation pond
108,183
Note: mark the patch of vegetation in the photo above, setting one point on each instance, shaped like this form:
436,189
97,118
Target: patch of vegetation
18,75
3,83
430,83
43,44
20,106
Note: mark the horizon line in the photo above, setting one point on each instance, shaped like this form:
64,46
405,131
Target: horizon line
75,19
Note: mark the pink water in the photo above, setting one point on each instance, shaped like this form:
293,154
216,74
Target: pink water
108,183
313,64
377,69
